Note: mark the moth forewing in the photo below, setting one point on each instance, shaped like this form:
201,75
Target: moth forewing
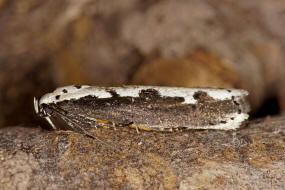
145,107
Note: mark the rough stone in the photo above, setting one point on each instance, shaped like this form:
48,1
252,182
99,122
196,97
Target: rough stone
252,157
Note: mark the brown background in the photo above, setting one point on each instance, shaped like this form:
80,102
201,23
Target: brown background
46,44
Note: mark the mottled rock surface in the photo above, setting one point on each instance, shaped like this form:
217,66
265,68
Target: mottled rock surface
252,157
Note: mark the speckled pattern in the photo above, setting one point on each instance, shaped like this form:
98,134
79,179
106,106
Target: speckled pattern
75,92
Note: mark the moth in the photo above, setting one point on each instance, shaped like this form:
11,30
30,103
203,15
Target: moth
156,108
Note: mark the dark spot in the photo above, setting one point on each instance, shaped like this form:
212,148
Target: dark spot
57,97
113,93
211,123
229,90
179,99
194,107
78,86
239,111
149,93
223,122
236,103
199,95
233,97
232,118
64,91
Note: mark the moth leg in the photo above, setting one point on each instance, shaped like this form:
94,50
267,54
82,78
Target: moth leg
94,122
114,126
70,124
64,115
130,124
97,122
92,136
73,122
108,124
91,121
137,129
50,122
124,124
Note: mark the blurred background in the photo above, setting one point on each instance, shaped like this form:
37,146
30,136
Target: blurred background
45,44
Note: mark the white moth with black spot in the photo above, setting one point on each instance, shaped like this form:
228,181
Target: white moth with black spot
85,107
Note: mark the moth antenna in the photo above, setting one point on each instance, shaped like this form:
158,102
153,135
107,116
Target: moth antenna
101,141
64,117
50,122
88,134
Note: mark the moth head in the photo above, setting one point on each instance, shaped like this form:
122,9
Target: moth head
41,109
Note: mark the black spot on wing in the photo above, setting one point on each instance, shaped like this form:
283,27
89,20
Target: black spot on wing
199,95
149,93
153,95
113,93
202,96
57,97
78,86
235,102
64,91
